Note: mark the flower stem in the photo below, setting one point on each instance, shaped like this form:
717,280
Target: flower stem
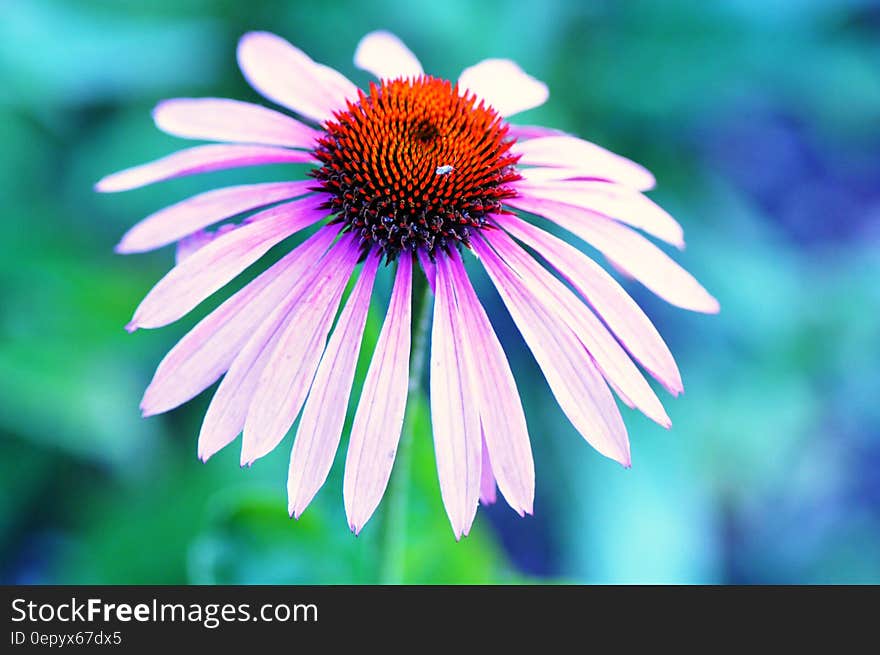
394,547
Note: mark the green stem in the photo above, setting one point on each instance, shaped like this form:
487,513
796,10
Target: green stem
394,550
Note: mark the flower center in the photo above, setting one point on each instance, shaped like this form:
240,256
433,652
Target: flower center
415,164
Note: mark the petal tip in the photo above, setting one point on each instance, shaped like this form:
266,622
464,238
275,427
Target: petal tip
712,306
674,386
147,411
158,109
106,184
253,35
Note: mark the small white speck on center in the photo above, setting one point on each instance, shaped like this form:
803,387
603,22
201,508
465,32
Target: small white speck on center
444,170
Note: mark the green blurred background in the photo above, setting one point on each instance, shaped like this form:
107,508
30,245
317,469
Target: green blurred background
760,120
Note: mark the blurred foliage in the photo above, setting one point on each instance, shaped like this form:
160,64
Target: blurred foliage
760,122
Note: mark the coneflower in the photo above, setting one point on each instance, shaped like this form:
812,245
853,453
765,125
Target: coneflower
415,171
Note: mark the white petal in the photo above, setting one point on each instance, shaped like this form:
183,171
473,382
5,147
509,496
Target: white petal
576,384
454,417
190,282
286,75
612,200
501,414
378,420
229,406
588,159
504,85
629,251
385,56
188,216
560,302
222,119
323,417
611,302
199,159
206,352
289,371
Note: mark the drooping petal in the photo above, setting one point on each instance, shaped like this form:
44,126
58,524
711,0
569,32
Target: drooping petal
627,250
532,131
542,174
588,158
561,303
196,278
428,267
194,242
286,75
612,200
285,380
454,415
204,354
379,416
222,119
611,302
385,56
504,85
576,384
501,414
323,417
188,216
199,159
487,479
226,414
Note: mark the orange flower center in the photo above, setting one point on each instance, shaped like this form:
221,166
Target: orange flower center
415,164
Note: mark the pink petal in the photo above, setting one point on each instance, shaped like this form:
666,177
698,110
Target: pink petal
320,427
379,416
196,278
629,251
577,385
608,355
614,305
611,200
200,159
285,380
204,354
454,416
543,174
504,85
194,242
385,56
532,131
429,268
501,413
286,75
226,414
188,216
586,157
487,479
221,119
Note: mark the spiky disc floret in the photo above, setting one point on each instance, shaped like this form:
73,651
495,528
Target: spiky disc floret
415,164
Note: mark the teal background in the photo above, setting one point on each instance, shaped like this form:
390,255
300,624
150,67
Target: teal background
760,120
